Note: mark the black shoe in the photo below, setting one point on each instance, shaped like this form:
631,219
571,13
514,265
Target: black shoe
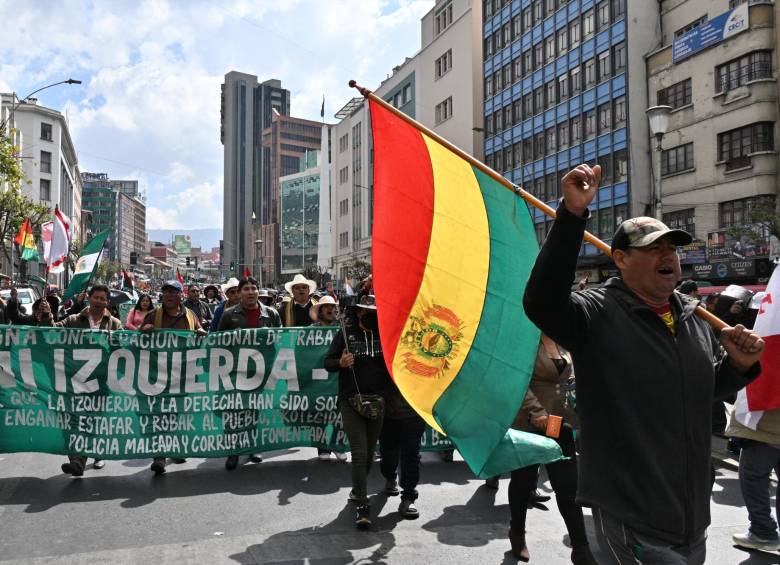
537,497
408,510
158,466
178,461
492,482
519,549
391,488
231,462
73,468
353,497
363,517
256,458
582,556
98,464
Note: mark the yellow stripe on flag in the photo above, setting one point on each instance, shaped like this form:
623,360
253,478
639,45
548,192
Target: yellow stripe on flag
438,335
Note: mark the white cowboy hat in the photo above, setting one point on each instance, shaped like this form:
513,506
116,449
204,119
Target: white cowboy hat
300,279
231,283
314,311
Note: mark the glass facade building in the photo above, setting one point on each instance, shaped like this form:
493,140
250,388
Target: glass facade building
555,87
300,212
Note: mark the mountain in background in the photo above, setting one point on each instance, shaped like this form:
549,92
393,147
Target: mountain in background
206,239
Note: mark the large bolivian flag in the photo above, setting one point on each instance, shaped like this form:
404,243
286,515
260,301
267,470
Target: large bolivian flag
452,250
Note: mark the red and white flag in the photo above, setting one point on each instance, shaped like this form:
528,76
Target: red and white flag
764,392
60,242
46,232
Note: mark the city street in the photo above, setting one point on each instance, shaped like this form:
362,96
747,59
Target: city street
290,509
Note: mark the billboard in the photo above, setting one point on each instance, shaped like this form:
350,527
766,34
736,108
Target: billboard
725,245
695,253
182,244
710,33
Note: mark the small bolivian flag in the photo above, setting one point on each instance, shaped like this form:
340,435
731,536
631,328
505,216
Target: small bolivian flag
26,242
452,251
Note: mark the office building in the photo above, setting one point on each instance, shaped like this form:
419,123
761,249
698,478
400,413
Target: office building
300,216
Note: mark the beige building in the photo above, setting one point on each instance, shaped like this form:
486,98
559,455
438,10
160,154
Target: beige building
719,158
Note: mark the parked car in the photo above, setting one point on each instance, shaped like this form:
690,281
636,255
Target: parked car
26,296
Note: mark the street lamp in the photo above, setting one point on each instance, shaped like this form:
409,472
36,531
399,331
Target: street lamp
259,259
21,100
658,116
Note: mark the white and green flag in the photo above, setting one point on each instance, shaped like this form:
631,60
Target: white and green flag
86,265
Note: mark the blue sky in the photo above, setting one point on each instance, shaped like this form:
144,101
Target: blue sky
149,105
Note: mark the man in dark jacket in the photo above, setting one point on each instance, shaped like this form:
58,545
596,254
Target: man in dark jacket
96,317
647,371
198,306
248,313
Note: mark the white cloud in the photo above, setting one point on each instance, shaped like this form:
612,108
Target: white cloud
152,70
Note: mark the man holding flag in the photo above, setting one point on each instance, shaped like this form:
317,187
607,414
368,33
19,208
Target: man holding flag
756,421
648,370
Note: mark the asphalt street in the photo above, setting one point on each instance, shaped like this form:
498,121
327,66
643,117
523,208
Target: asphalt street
290,509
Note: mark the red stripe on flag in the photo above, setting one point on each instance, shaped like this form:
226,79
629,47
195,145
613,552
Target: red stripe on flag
403,201
764,392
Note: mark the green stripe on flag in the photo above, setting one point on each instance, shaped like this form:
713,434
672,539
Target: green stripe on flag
483,400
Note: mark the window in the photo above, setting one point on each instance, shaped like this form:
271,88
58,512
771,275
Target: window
605,65
538,100
343,175
517,150
499,161
681,220
549,49
487,7
549,137
737,145
443,18
45,189
619,113
602,14
527,20
677,159
517,111
343,142
606,223
498,119
46,131
498,84
605,117
528,106
575,81
752,66
444,110
576,129
488,87
507,116
550,6
538,54
563,135
538,8
677,95
618,9
619,57
506,73
517,27
551,187
488,47
590,124
538,188
528,63
621,166
539,149
683,30
563,87
740,212
574,33
406,94
443,64
550,94
588,25
563,41
606,169
528,149
45,164
621,214
517,69
590,72
343,239
507,34
344,207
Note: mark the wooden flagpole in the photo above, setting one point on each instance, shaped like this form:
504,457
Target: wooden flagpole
702,312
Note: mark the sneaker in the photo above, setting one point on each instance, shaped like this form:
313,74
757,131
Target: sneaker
73,468
231,462
256,458
408,510
492,483
158,466
98,464
363,516
353,497
391,488
752,541
178,461
340,456
323,455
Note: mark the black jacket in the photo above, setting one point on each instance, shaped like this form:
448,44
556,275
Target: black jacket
370,370
234,318
644,395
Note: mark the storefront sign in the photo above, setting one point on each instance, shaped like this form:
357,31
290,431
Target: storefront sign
693,254
723,245
725,269
711,32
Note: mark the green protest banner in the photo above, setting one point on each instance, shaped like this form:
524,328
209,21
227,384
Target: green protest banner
131,395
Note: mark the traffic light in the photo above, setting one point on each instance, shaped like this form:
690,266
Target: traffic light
232,265
188,261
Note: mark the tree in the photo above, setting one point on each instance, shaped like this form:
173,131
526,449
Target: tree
10,167
761,221
357,269
14,208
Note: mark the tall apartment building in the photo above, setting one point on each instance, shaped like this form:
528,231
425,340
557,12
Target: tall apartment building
49,159
440,86
717,70
117,206
284,143
247,108
565,83
300,216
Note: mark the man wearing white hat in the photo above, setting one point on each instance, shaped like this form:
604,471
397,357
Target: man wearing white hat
229,289
296,312
324,312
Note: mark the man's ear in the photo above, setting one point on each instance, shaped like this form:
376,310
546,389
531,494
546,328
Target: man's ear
619,258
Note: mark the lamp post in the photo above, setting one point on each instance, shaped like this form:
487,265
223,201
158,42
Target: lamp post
21,100
259,262
658,116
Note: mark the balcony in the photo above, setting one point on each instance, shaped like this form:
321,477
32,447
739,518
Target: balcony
736,163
